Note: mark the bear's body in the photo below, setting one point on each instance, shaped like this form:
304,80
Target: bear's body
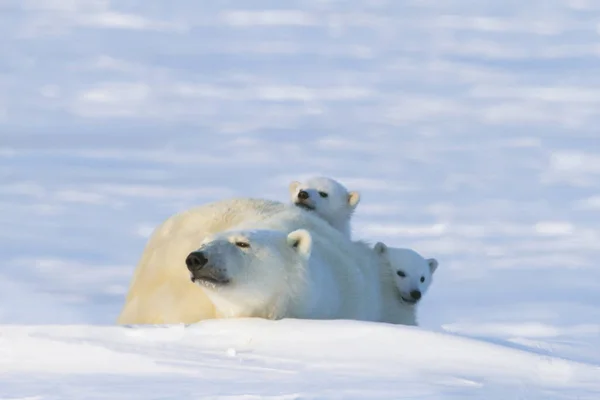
161,290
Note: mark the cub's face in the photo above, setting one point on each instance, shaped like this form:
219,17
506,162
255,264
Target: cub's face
326,197
411,272
241,271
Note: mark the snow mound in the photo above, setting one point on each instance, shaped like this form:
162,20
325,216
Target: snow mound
288,359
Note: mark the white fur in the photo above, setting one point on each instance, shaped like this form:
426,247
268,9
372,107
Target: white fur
342,279
255,267
411,275
327,198
275,276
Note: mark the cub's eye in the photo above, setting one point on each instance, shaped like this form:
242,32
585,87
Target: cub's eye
323,194
422,279
401,274
243,245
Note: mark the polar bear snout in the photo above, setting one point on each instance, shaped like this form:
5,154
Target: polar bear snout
413,297
203,271
415,294
303,200
195,261
303,195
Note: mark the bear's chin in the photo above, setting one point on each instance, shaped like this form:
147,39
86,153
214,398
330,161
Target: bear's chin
407,301
304,206
211,282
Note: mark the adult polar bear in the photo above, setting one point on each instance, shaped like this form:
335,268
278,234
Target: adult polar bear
161,291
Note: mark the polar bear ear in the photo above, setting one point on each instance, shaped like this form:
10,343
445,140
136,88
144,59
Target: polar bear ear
380,248
353,199
294,186
301,241
433,264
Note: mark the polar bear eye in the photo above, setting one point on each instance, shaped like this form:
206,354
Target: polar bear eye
323,194
422,279
401,274
243,245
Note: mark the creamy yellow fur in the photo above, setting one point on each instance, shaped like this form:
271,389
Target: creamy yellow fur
160,291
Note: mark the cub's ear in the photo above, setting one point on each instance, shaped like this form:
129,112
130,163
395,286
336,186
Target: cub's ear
433,264
301,241
380,248
294,187
353,199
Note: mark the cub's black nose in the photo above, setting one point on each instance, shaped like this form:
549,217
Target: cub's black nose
415,294
303,195
195,261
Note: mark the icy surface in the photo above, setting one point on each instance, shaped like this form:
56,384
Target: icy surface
470,128
288,359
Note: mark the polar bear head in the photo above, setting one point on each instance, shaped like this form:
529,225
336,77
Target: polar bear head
412,273
251,273
327,198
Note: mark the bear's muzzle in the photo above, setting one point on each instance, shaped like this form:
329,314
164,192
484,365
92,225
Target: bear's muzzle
202,271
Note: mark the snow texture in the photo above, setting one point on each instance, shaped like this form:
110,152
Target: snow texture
470,129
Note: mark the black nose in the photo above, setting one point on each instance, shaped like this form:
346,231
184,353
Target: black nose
195,261
303,195
415,294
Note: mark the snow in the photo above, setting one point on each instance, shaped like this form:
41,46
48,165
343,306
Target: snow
470,129
287,359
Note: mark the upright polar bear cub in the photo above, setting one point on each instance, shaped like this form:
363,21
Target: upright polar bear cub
328,198
339,279
411,273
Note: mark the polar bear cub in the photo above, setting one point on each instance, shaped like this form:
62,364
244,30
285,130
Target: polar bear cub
328,198
264,273
412,274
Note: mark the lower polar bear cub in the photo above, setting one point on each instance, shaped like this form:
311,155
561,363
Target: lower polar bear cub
342,280
328,198
411,273
265,273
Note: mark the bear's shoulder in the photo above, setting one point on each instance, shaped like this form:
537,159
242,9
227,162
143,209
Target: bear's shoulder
217,215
